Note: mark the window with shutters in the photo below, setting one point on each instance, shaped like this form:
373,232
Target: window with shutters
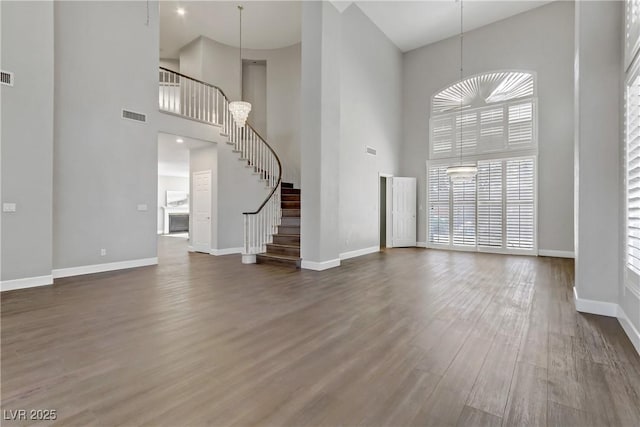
488,120
493,112
632,31
632,177
495,212
439,205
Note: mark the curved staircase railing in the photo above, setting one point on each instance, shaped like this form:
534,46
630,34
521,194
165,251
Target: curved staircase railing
197,100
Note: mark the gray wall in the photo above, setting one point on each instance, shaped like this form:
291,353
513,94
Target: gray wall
540,40
254,90
320,135
104,166
171,64
370,114
27,138
219,64
598,47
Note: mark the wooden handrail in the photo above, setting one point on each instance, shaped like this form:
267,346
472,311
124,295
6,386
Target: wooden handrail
279,181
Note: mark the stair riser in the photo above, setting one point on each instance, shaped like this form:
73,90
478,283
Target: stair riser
290,197
279,250
290,191
290,221
280,262
286,240
288,230
286,185
289,205
291,212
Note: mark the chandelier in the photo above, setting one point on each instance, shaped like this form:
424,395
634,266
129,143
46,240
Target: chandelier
240,109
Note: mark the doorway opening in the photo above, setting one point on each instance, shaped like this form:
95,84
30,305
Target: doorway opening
384,210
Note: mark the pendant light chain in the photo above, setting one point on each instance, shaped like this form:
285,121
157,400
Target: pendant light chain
241,67
240,109
462,172
461,71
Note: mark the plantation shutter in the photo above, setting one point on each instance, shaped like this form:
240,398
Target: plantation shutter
442,137
492,129
467,132
464,213
438,205
633,174
520,123
632,30
520,203
490,203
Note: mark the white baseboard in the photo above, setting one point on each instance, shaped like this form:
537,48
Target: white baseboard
629,328
556,254
611,310
226,251
595,307
421,244
320,266
27,282
100,268
360,252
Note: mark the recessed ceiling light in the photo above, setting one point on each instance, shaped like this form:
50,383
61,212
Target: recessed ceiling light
181,11
179,140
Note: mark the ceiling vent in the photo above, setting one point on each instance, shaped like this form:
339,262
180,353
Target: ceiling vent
371,150
132,115
6,78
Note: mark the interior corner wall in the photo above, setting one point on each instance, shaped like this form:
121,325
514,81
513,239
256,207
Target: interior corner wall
190,60
370,115
283,105
171,64
105,166
540,40
27,138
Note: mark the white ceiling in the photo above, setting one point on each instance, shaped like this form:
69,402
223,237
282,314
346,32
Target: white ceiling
173,158
411,24
274,24
265,24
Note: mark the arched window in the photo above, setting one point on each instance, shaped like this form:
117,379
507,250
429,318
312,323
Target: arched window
488,120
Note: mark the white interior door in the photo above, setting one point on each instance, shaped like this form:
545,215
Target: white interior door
201,233
404,211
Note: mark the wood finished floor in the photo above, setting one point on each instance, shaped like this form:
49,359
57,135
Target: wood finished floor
403,337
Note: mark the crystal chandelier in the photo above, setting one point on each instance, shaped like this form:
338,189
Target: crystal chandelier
461,173
240,109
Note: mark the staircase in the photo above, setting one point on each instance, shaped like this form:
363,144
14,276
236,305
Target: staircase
272,231
285,249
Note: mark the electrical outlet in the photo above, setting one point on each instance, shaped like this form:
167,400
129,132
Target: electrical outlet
8,207
103,252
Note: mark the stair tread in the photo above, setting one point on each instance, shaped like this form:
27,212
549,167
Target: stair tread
284,245
279,256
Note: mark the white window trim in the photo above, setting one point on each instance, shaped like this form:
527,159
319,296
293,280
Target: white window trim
530,154
631,278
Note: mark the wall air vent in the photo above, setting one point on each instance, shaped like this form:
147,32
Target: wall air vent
371,150
6,78
132,115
